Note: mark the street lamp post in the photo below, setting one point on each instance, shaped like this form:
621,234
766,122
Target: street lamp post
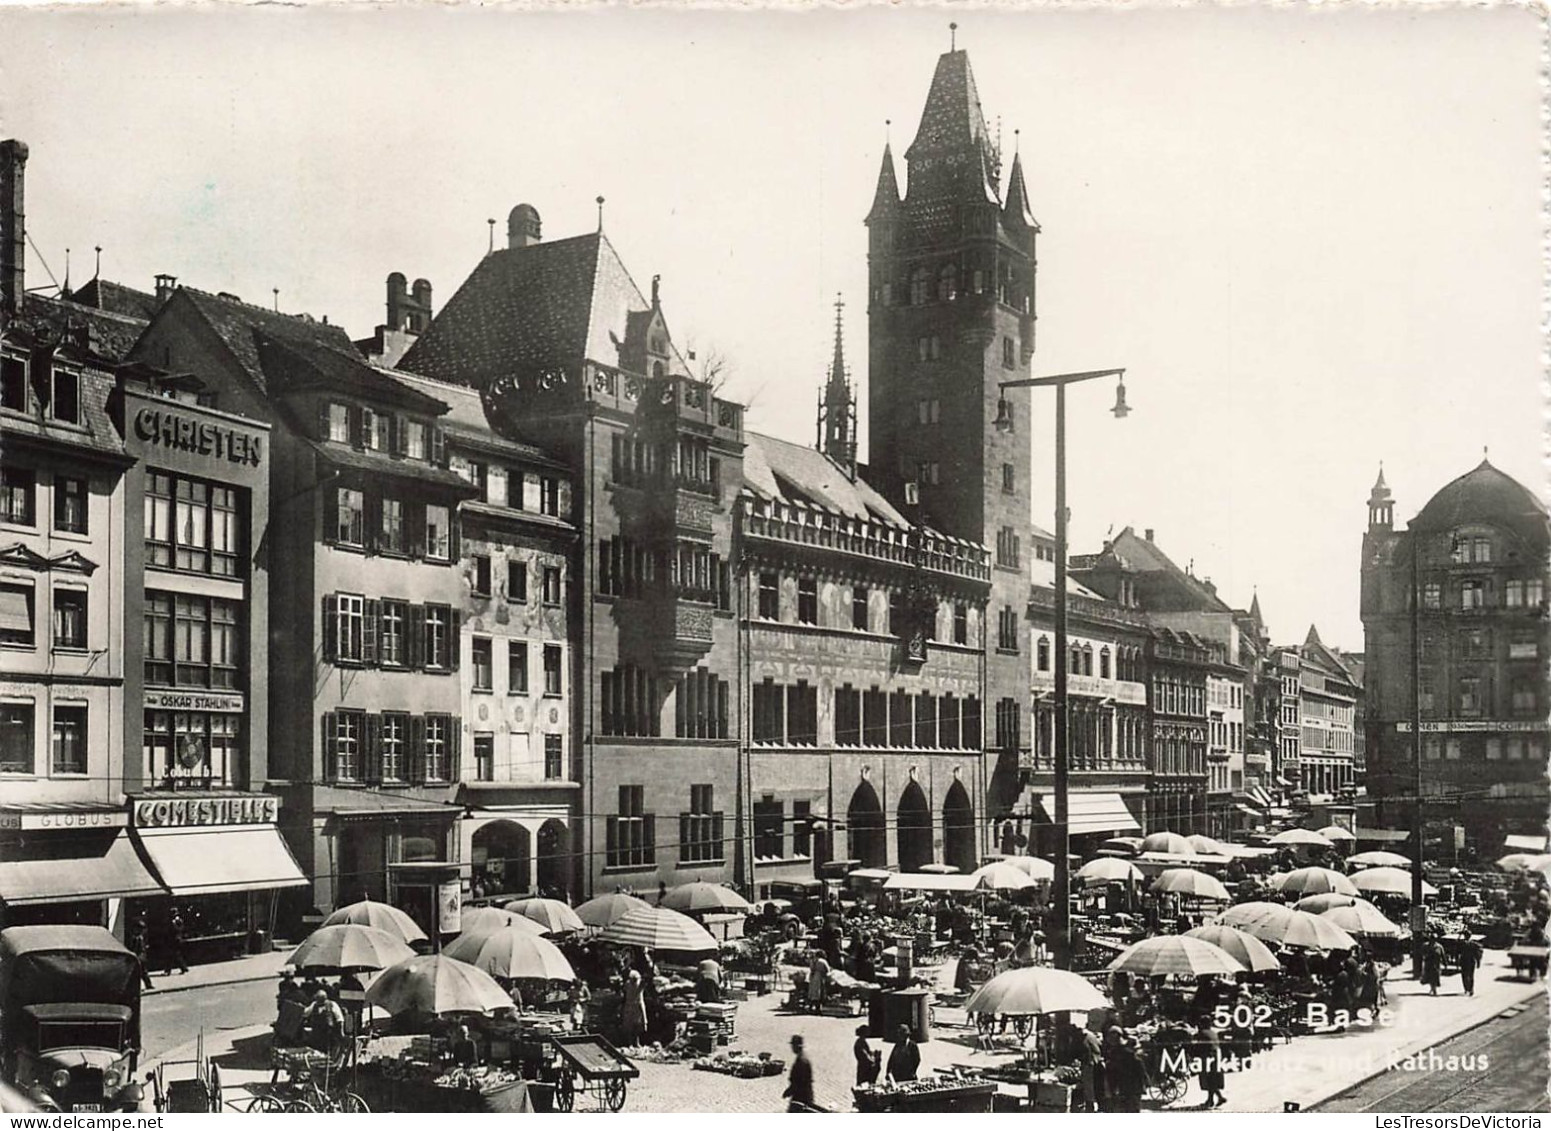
1063,880
1418,911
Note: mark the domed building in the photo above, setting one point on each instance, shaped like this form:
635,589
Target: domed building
1474,561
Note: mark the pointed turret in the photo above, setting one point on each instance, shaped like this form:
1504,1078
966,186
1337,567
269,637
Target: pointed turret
1381,507
1017,213
1312,639
953,153
1254,609
886,200
837,405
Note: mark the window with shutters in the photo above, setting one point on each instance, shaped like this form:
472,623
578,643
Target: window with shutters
859,608
516,667
336,423
631,833
349,620
394,745
378,430
551,585
848,716
391,538
700,830
484,664
554,757
440,638
700,705
414,439
628,703
393,619
481,575
552,666
769,829
802,714
440,735
807,601
438,533
349,738
926,720
769,707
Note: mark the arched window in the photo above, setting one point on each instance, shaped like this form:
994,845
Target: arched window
1074,662
1042,651
948,283
920,286
1087,659
1104,663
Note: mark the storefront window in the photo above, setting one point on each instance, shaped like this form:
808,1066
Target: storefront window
191,748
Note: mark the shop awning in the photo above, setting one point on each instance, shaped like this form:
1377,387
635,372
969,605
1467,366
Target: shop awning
76,867
1516,843
15,614
1246,810
218,859
929,881
1093,813
1383,836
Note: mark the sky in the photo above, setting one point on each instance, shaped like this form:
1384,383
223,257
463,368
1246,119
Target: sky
1312,236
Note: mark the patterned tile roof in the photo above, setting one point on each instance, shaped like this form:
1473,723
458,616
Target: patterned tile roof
778,469
465,413
116,298
295,363
236,323
553,303
952,118
109,336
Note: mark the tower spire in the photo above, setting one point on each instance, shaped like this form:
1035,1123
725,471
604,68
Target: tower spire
837,404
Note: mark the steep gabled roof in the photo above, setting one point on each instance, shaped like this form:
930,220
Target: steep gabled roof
778,469
1143,556
240,325
116,298
293,365
1019,209
111,336
545,304
885,199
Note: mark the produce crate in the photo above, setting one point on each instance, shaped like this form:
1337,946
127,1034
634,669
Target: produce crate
1052,1097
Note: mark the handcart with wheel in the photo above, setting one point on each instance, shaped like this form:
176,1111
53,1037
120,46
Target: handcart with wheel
199,1092
591,1064
1167,1076
313,1083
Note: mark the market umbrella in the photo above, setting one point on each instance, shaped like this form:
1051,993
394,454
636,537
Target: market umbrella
701,896
603,910
369,913
1002,876
1034,867
1380,859
1314,904
1300,836
1297,928
1206,846
512,953
1388,881
1241,915
659,928
1175,954
1107,868
1035,989
349,946
1521,861
435,983
483,920
1334,833
1362,919
555,917
1243,947
1315,881
940,869
1167,842
1190,882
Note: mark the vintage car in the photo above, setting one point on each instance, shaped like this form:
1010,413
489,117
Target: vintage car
70,1018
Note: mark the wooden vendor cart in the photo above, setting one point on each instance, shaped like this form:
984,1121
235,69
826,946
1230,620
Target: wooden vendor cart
602,1069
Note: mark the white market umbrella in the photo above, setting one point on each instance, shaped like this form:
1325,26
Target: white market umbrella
1300,836
1035,989
1242,946
1522,861
603,910
512,953
1034,867
1108,868
349,946
1192,883
1297,928
659,928
1334,833
1241,915
1362,920
1172,843
384,916
435,983
1002,876
1315,881
1314,904
701,896
1206,846
940,869
551,914
485,920
1388,881
1378,858
1176,954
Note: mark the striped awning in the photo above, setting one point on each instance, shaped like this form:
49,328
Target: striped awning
1093,813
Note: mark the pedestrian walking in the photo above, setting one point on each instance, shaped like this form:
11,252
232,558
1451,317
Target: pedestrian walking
175,955
1090,1065
1432,965
799,1086
140,946
1207,1053
1125,1076
1469,959
869,1061
905,1059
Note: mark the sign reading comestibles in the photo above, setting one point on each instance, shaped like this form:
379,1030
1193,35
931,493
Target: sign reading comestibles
170,429
180,812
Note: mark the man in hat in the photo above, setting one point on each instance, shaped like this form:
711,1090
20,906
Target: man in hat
1469,959
799,1086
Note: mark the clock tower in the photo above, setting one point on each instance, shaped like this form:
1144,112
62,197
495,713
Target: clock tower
950,315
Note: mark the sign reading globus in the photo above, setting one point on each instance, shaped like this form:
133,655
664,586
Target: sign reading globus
181,812
174,430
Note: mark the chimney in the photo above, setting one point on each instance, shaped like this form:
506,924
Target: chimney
13,226
419,310
523,227
1149,534
398,294
165,285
